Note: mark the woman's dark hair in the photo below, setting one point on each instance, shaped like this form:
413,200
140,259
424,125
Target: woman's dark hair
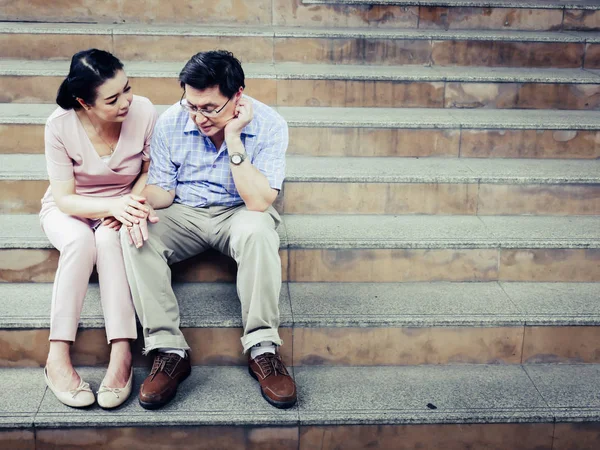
89,70
215,68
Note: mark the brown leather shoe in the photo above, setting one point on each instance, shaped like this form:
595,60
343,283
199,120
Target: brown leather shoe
160,386
276,384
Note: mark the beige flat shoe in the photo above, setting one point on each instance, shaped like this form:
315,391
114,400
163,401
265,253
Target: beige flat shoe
80,397
109,398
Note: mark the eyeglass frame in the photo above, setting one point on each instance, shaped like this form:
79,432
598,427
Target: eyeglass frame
214,112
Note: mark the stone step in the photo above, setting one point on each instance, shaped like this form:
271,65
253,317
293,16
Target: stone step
450,407
297,84
475,14
350,185
416,132
344,324
373,248
521,4
267,44
495,14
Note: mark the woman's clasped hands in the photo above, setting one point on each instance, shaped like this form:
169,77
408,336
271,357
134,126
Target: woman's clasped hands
129,209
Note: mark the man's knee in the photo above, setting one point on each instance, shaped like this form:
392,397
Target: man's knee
253,225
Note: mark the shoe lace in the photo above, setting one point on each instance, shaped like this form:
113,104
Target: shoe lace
83,387
164,363
271,363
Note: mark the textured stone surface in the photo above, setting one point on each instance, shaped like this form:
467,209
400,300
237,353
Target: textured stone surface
409,437
579,4
239,403
580,265
27,265
314,141
21,139
592,56
396,395
538,199
576,436
203,438
565,344
536,232
535,144
402,304
407,346
577,19
385,170
20,397
441,17
556,303
389,265
380,198
569,390
370,231
296,13
502,53
119,11
203,305
18,439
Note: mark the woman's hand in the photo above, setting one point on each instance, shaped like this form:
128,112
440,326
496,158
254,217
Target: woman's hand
111,222
129,209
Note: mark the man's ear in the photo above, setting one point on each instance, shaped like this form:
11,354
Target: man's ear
239,93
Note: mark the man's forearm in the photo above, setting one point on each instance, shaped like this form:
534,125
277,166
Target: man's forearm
140,184
253,186
157,197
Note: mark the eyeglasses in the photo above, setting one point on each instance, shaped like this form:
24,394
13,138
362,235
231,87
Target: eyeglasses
195,110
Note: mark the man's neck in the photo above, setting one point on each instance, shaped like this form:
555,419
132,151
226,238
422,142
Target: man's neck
218,139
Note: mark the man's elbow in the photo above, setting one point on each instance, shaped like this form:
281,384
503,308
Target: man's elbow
261,204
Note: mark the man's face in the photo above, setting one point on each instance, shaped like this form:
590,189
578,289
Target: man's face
211,99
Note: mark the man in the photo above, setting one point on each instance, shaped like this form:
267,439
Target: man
217,165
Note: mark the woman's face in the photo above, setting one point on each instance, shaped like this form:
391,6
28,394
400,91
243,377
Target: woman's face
114,98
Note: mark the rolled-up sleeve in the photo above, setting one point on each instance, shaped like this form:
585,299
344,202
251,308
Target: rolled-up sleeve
270,159
58,163
162,171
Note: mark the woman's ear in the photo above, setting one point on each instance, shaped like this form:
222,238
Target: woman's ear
83,104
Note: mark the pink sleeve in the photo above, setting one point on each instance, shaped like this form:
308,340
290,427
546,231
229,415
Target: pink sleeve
148,135
58,162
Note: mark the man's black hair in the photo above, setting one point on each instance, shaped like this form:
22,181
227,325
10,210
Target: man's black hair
214,68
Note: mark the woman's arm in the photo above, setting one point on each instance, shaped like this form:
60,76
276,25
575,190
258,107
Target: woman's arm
126,209
140,183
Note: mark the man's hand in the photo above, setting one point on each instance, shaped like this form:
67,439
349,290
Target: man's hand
111,222
242,116
138,232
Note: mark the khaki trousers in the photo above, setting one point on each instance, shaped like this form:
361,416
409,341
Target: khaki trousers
249,237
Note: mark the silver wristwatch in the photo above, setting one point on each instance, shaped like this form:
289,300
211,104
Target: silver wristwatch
237,158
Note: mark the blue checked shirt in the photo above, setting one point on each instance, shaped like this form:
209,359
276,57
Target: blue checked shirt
185,160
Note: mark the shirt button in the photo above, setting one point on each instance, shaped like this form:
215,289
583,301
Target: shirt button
214,166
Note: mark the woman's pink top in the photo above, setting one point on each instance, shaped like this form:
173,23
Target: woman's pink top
70,153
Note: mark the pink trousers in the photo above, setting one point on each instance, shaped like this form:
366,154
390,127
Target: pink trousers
81,246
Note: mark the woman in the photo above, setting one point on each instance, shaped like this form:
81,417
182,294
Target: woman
97,156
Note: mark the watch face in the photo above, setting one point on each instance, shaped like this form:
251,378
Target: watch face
236,159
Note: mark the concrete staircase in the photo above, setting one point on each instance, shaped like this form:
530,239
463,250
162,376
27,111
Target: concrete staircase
441,233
